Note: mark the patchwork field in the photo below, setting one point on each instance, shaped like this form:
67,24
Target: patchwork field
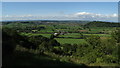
61,44
70,38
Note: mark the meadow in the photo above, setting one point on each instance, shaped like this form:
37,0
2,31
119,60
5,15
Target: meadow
71,38
70,41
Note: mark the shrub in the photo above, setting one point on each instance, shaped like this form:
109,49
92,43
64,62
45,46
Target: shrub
99,60
9,41
116,35
89,58
110,59
53,42
93,40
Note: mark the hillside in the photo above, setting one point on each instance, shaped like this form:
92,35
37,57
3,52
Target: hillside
31,44
102,24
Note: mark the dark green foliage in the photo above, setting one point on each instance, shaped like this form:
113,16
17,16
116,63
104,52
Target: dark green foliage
26,43
118,52
37,40
10,39
101,24
89,58
81,36
43,47
110,59
83,49
52,36
58,50
8,44
95,50
69,49
48,45
30,60
116,35
53,42
93,40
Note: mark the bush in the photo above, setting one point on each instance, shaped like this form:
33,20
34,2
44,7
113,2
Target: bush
110,59
99,60
48,46
37,40
57,50
53,42
42,47
9,41
93,40
116,35
89,58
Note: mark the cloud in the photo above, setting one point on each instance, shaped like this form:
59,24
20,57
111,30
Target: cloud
74,16
94,16
82,14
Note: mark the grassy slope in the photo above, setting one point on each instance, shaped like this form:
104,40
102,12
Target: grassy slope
26,59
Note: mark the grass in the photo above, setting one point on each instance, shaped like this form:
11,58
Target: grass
101,35
27,59
73,35
47,30
70,41
77,35
32,34
98,29
46,35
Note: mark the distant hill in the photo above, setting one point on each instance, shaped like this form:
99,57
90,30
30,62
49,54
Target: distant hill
102,24
46,21
85,23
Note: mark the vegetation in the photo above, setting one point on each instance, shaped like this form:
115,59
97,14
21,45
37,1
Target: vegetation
61,44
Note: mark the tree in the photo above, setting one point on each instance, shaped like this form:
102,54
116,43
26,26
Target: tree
53,42
93,40
52,36
116,35
43,47
37,40
81,35
69,49
8,44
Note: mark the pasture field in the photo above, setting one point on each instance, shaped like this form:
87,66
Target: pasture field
71,38
70,41
77,35
36,34
101,29
101,35
73,35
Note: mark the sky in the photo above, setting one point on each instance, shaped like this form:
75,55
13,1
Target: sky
103,11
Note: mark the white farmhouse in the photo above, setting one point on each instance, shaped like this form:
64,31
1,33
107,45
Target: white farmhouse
55,34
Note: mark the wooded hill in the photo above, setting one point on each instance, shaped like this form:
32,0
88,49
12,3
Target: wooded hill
102,24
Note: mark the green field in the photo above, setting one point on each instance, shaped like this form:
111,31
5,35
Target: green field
70,41
101,35
73,35
68,38
30,34
77,35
